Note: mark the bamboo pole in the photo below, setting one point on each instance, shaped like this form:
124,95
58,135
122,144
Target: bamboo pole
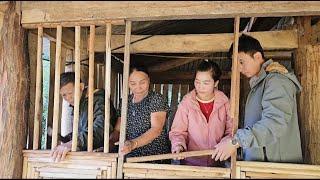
56,103
235,91
77,89
37,113
124,98
91,88
170,156
107,88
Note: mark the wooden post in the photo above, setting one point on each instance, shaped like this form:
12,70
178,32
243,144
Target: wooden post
77,89
56,103
124,98
13,92
107,87
91,88
38,111
235,91
307,66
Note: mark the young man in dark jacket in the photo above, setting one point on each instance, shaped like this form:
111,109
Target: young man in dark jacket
67,81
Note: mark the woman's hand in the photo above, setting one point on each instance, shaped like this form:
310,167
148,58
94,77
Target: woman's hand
129,146
178,149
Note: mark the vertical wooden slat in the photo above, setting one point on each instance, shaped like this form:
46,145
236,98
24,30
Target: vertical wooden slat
91,88
165,91
124,98
56,103
235,91
184,90
174,96
158,88
37,113
107,88
77,89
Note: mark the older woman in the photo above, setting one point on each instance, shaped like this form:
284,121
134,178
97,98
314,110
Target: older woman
147,112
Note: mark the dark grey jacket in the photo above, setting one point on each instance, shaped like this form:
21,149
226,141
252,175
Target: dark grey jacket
271,130
98,120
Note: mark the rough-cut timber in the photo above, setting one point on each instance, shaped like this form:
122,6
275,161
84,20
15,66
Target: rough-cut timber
52,12
13,94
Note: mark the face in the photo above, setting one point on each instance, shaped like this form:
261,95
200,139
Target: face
250,66
139,83
204,83
67,92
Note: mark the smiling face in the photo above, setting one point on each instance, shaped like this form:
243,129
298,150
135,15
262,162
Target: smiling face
248,65
139,83
67,92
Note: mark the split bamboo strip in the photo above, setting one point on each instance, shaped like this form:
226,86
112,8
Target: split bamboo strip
56,102
170,156
107,88
124,98
114,170
91,88
37,113
235,91
77,89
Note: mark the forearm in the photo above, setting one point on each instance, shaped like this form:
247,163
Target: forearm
147,137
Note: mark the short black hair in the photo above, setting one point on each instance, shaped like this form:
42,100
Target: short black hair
141,68
211,66
66,78
248,45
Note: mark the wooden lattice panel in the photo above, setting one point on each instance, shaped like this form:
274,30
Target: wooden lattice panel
256,170
169,171
38,164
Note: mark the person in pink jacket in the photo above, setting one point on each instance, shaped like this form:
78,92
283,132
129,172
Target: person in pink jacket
202,119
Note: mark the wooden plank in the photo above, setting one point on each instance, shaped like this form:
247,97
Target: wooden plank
183,90
51,12
113,170
77,89
124,98
174,96
32,48
256,175
38,111
91,88
67,175
165,91
278,165
170,156
197,43
157,88
176,167
107,87
164,66
235,91
56,103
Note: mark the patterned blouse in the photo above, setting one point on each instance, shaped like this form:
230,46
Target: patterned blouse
139,121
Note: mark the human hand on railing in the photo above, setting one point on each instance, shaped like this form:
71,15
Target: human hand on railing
60,151
129,145
224,150
178,149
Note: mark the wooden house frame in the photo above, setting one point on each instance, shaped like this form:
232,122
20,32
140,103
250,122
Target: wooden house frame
17,18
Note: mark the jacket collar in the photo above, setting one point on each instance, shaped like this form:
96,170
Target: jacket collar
220,100
254,81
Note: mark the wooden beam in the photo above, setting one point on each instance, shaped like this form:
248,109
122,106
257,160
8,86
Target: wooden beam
14,83
197,43
77,89
52,12
125,91
235,91
174,63
178,76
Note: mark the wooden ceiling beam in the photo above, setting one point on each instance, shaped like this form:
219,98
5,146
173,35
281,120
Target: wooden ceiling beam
35,12
196,43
